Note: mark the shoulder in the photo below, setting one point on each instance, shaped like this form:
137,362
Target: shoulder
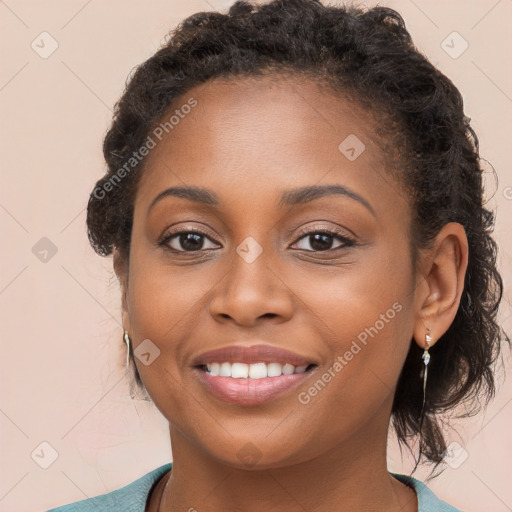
130,498
427,500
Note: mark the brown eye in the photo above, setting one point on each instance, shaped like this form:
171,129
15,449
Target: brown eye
320,241
187,241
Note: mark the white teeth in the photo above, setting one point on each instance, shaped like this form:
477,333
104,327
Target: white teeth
253,371
288,369
274,369
239,371
225,370
258,371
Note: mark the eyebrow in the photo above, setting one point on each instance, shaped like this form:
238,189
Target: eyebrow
289,197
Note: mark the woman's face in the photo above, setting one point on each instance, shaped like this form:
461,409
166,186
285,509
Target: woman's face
255,273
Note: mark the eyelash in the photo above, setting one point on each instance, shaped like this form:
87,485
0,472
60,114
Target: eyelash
347,241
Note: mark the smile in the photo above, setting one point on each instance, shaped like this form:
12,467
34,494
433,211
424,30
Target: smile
251,384
261,370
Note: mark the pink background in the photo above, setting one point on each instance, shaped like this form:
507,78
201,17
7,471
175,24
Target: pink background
62,358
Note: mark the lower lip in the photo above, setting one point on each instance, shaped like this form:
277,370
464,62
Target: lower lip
250,391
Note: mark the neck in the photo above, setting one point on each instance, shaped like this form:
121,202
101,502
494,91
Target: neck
350,476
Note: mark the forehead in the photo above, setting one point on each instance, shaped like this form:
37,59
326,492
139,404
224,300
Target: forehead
257,134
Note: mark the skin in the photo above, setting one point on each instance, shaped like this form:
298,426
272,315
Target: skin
248,141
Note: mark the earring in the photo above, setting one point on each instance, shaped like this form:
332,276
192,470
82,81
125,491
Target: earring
127,341
136,393
426,360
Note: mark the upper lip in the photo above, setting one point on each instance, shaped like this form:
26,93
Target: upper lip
260,353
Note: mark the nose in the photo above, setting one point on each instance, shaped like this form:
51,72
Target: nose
251,292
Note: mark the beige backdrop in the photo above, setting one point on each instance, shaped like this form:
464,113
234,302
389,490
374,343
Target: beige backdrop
61,361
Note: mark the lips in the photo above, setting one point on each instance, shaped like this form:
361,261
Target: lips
251,389
253,354
250,392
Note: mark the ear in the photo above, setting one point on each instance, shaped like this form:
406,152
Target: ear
121,269
441,283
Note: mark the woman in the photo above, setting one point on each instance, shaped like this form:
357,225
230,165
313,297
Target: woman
295,211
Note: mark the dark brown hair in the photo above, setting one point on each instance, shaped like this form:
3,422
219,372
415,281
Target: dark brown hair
369,55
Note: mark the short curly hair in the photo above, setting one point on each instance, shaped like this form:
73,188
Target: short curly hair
367,54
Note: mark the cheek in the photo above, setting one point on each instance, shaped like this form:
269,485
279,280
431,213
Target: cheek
165,305
364,316
164,300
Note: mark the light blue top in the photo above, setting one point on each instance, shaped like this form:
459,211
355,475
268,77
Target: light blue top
132,497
